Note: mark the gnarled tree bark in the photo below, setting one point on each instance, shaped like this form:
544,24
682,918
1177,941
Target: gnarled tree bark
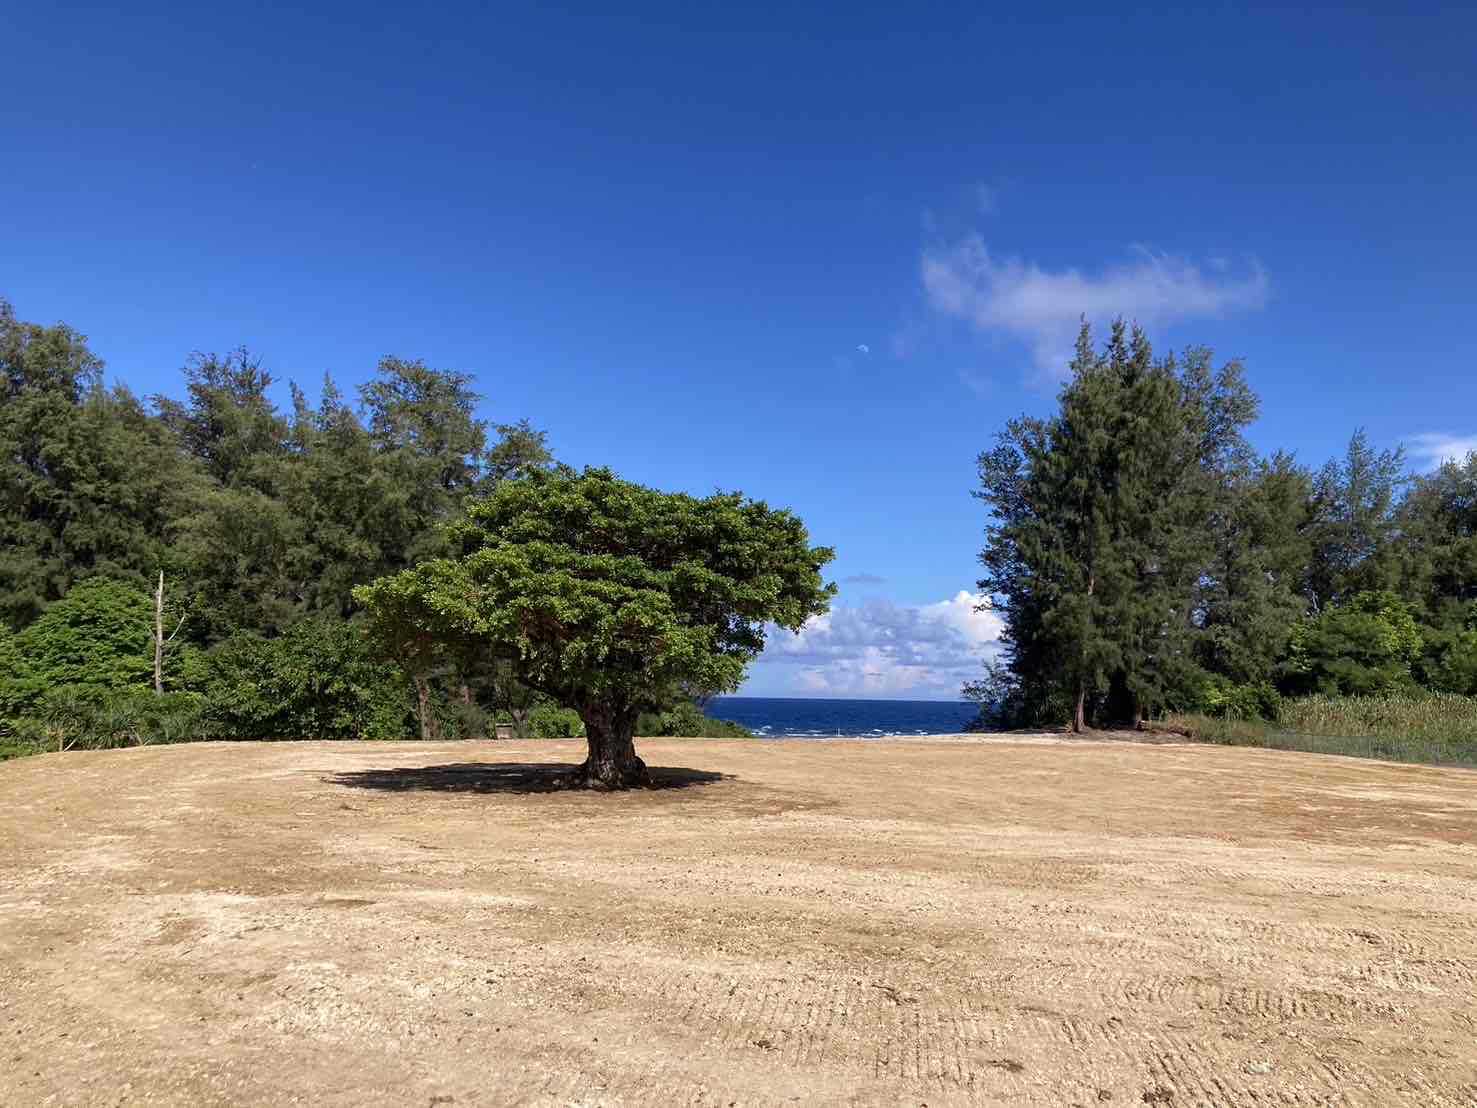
612,762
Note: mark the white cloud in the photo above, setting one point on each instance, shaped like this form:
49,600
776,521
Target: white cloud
1043,308
883,649
864,348
1431,448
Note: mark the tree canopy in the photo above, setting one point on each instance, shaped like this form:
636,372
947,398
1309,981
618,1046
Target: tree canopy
263,517
1098,540
606,596
1144,558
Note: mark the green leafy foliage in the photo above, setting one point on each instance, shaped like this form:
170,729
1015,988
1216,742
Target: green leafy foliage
1451,664
1251,593
1144,558
550,722
685,719
97,637
88,480
1223,699
1365,647
316,681
261,519
1354,523
605,595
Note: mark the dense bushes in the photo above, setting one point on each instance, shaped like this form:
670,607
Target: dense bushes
1366,647
686,720
317,680
80,677
95,638
1225,700
548,721
81,717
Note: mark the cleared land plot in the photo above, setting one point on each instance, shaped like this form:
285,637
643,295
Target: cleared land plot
819,923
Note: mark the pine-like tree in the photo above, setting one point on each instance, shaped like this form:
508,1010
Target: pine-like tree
1101,526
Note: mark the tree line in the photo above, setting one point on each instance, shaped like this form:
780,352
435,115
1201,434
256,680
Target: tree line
185,565
1145,558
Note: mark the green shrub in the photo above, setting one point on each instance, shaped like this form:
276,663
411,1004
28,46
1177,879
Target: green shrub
1224,700
1454,667
1366,647
686,720
92,717
318,680
13,748
548,721
98,635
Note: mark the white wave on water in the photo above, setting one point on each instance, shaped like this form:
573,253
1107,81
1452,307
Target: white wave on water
794,718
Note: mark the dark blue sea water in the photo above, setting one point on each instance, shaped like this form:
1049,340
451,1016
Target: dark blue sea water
774,717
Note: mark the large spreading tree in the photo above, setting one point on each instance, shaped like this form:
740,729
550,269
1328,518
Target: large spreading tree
606,596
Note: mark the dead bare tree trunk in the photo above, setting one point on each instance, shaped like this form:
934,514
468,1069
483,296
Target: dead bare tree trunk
160,641
159,636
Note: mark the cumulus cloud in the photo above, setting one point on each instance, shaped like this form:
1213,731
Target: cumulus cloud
881,649
1431,448
1043,307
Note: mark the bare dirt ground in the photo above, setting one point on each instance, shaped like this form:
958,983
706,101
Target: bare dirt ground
1017,922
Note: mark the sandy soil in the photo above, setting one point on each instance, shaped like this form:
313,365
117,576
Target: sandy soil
1038,923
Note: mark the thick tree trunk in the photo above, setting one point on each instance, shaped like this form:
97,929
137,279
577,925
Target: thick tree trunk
423,708
612,762
1138,714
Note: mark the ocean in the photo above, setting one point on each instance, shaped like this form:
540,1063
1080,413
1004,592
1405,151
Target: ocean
790,717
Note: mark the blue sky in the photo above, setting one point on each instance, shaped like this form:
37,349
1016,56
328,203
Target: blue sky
819,254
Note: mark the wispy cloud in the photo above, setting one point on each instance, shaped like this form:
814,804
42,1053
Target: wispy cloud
1042,307
976,382
864,579
880,648
1430,449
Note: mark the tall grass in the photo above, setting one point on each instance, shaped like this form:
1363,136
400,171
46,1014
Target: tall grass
1431,729
1433,717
